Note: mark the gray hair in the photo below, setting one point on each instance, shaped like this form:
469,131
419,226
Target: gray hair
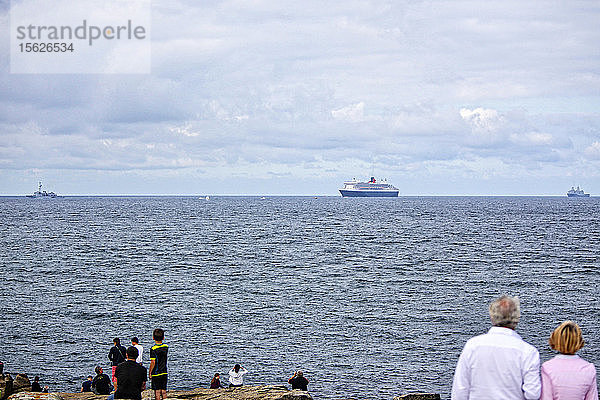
505,311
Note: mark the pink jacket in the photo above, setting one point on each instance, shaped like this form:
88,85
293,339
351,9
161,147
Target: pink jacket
568,377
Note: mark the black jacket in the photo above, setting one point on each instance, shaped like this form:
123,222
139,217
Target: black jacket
117,355
101,384
299,382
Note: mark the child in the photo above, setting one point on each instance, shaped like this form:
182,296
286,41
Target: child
158,365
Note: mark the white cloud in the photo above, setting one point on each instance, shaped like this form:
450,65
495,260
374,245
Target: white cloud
185,130
284,88
352,113
487,127
482,119
532,138
593,151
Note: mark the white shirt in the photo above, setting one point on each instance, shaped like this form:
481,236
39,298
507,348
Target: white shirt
236,378
498,365
141,351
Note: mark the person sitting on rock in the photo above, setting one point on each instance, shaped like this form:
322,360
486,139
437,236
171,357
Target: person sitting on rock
236,376
298,381
35,386
215,382
101,383
86,386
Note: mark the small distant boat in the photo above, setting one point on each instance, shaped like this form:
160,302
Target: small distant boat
577,192
207,198
371,188
42,194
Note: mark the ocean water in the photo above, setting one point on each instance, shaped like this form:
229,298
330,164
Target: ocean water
372,298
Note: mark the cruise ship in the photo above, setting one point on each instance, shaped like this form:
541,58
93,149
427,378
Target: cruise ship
577,192
371,188
42,195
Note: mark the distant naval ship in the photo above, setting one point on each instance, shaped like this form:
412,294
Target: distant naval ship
371,188
577,192
42,195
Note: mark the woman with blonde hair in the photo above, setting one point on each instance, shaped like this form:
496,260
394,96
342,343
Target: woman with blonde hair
568,376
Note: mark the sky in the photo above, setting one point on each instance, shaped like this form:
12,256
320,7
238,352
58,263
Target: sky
293,98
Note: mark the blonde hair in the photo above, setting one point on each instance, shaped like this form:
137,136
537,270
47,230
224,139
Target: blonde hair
566,339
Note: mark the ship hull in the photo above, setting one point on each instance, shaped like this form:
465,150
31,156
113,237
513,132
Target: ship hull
578,195
369,193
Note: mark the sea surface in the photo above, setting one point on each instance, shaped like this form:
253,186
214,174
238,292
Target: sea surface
371,298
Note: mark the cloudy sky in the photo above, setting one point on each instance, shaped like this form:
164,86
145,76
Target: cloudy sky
294,97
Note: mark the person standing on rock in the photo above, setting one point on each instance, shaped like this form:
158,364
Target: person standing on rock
136,343
131,377
158,365
116,355
236,376
298,381
101,383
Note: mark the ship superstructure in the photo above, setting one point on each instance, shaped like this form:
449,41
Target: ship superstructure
42,194
372,188
577,192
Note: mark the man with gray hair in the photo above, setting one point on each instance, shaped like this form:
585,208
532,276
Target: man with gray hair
498,365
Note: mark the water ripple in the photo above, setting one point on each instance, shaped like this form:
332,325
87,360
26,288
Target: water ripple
371,297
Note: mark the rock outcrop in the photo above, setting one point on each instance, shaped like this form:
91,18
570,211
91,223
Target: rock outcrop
266,392
241,393
8,386
21,384
418,396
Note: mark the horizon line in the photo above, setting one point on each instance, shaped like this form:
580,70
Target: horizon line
290,195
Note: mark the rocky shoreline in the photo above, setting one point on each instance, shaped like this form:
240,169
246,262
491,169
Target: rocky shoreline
20,389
